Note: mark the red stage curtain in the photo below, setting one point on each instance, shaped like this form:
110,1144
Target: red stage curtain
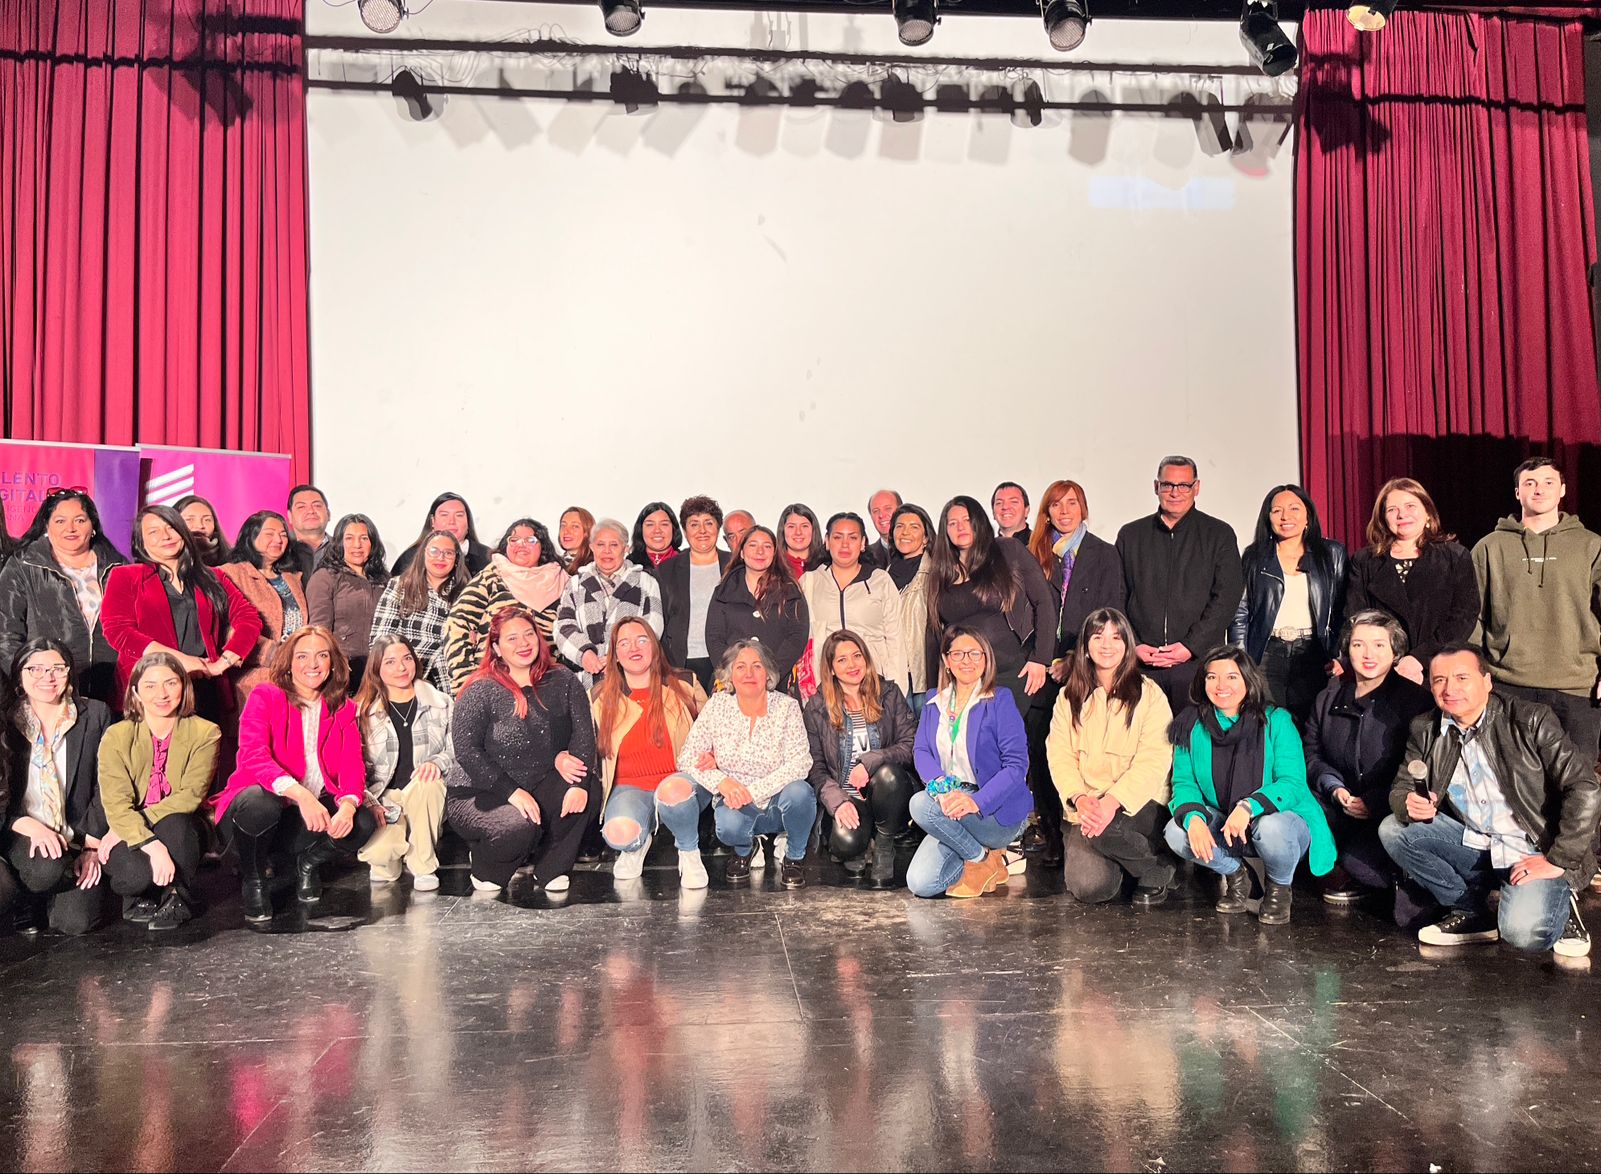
1444,234
153,261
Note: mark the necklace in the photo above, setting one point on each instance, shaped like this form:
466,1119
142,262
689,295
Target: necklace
404,714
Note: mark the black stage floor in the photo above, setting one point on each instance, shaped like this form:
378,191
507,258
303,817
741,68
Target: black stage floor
827,1029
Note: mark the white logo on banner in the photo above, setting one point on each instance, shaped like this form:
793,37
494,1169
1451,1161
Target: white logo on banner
169,487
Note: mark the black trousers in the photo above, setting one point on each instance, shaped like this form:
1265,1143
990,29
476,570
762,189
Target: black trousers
884,811
705,672
1037,724
1175,682
1295,676
71,910
129,868
1131,845
259,823
503,839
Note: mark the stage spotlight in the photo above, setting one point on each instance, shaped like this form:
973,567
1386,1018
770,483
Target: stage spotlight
1270,50
1066,22
915,20
623,17
1371,16
381,16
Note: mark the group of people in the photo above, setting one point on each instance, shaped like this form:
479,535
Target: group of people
1411,720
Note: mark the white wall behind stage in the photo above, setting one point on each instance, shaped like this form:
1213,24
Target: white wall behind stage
538,302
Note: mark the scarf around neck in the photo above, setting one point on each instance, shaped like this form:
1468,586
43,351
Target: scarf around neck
536,588
1239,755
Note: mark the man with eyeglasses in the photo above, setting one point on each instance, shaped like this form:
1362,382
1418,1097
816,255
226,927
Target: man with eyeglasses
1183,577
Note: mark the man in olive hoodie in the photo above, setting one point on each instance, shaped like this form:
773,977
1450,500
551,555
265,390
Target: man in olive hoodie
1539,607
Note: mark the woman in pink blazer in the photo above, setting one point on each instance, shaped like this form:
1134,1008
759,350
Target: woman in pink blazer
300,781
168,600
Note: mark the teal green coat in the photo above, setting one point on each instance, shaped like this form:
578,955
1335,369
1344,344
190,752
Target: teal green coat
1283,783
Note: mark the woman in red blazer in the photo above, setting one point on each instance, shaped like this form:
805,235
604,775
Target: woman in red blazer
279,797
168,600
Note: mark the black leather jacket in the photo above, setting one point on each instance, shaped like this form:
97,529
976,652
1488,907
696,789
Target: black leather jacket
1551,789
1264,591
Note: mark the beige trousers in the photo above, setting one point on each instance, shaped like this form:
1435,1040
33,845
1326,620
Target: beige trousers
411,840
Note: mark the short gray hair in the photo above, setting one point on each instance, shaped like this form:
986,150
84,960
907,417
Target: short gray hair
1177,459
726,667
614,526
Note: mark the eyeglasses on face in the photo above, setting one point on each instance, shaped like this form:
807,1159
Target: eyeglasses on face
1175,486
965,655
40,671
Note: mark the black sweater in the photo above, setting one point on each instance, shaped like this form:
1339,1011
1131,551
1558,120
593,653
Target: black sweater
1183,583
497,752
1438,604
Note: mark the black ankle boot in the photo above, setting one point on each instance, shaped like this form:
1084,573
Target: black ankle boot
308,877
1236,890
256,899
881,867
1275,907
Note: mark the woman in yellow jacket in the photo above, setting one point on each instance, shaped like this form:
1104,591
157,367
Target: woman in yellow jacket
643,710
155,770
1109,758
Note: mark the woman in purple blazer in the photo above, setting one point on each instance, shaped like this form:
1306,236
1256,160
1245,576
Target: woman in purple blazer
973,749
281,796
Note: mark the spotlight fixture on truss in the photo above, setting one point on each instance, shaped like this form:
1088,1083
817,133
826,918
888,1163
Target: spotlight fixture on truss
623,17
381,16
915,20
1371,15
1066,22
1270,50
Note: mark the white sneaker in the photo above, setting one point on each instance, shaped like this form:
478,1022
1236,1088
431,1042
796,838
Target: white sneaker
1016,862
426,883
692,870
559,884
780,849
629,865
484,886
758,860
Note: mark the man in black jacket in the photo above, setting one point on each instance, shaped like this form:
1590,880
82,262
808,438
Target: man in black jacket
1491,793
1182,572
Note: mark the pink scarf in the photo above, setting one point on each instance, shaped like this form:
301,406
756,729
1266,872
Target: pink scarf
536,588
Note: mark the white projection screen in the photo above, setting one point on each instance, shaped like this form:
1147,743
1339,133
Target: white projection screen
537,302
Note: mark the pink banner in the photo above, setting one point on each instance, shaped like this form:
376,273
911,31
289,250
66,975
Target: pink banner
110,475
237,484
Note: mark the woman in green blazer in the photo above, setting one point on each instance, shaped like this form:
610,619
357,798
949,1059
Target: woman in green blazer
1239,787
155,771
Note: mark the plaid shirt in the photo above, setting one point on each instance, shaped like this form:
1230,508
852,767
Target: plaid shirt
592,602
424,630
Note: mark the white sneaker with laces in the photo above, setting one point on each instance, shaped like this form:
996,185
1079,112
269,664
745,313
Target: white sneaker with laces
629,865
559,884
692,870
1575,939
426,883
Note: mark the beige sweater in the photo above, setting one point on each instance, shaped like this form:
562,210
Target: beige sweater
1103,755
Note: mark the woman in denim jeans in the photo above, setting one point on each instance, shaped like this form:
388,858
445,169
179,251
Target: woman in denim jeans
643,713
973,748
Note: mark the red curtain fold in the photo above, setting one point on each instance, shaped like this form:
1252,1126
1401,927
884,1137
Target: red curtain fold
153,257
1444,234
